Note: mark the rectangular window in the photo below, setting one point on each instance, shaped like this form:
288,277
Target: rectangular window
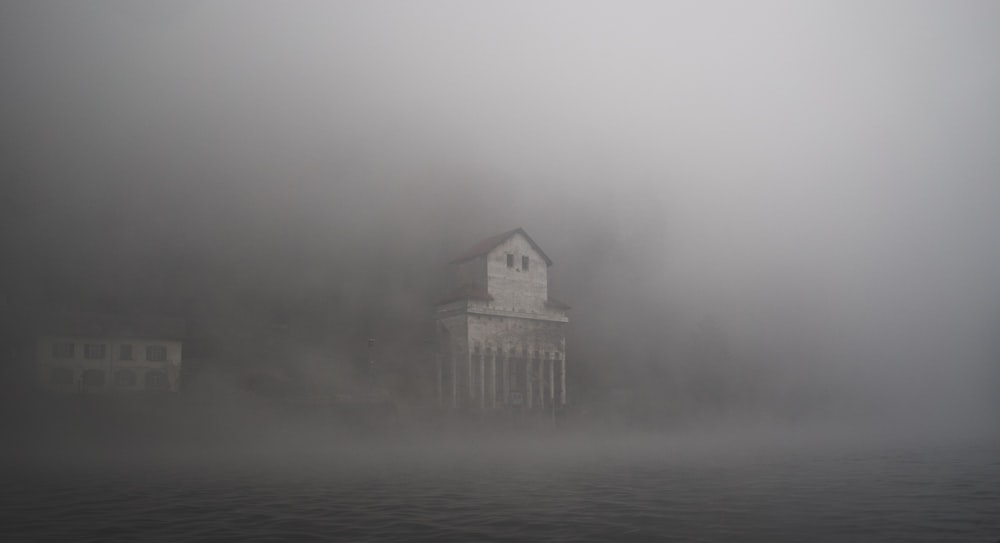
125,352
524,263
156,353
62,350
94,351
510,260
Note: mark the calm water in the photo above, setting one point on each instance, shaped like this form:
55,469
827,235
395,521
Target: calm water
595,489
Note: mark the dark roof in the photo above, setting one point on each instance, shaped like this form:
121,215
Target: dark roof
466,292
65,323
488,244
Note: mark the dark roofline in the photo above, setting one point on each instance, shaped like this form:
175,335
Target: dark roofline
490,243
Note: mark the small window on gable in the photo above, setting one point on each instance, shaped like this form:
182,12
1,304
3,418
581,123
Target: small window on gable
510,260
524,263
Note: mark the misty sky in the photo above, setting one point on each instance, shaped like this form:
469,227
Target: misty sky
827,165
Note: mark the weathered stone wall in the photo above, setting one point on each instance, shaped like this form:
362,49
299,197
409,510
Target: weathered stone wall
514,288
506,333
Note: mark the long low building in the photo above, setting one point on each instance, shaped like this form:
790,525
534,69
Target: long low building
101,353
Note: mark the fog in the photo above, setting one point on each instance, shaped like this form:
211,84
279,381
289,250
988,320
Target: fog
768,210
774,223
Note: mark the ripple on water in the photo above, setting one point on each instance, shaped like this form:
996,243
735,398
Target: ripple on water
903,497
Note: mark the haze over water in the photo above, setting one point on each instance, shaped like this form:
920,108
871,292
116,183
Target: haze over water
708,486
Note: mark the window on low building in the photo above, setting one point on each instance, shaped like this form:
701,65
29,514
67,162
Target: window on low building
93,378
125,352
62,349
125,378
510,260
156,353
156,380
94,351
61,376
524,263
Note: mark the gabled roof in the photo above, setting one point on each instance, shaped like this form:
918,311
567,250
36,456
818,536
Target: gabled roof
490,243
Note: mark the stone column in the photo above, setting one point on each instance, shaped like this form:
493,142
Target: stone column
493,379
541,381
482,380
528,366
506,377
469,375
552,379
562,377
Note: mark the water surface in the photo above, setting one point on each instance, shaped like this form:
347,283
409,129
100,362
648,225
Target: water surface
597,488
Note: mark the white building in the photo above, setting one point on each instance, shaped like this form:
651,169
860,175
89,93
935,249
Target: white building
501,337
98,353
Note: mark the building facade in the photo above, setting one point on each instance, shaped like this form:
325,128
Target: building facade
87,353
501,338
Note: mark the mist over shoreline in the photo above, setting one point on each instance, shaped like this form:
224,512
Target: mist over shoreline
775,211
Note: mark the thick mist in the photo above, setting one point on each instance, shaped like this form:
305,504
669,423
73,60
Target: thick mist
776,210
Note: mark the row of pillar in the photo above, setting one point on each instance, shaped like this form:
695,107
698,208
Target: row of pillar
497,379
